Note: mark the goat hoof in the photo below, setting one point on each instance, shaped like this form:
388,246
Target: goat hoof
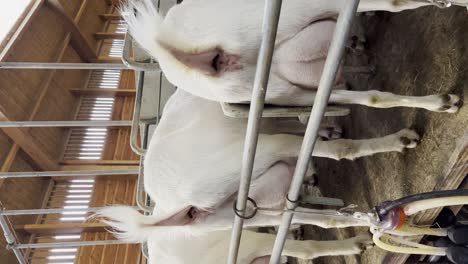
408,138
330,133
450,103
458,235
363,242
457,254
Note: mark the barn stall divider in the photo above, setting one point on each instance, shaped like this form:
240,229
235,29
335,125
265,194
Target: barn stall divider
255,112
335,53
142,201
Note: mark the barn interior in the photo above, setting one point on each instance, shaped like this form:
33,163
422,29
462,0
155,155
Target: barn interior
416,52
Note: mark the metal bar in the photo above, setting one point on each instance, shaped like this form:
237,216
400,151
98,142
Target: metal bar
24,124
131,64
327,79
70,244
11,241
62,66
270,26
47,211
136,116
34,174
142,202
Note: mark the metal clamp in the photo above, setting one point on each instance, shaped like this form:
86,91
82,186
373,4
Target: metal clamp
240,213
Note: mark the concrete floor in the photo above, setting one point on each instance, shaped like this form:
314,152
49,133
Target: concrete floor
418,52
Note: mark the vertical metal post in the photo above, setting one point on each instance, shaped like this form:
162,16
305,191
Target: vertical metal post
11,241
62,66
327,80
136,116
75,123
47,211
270,26
71,244
131,64
36,174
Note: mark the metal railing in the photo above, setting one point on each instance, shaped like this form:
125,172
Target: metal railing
270,24
9,233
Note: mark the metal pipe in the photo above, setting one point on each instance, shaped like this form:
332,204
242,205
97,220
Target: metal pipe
141,202
136,116
327,80
11,240
70,244
62,66
34,174
47,211
131,64
24,124
270,26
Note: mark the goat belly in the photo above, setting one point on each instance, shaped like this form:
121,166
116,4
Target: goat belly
301,58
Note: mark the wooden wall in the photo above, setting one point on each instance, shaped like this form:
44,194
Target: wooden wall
45,40
112,190
18,193
41,95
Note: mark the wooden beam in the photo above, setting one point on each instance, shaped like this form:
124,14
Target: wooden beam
115,2
108,35
25,141
78,40
25,21
110,17
103,92
453,176
100,162
55,229
9,160
44,87
108,59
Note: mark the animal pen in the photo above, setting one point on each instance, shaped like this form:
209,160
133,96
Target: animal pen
142,125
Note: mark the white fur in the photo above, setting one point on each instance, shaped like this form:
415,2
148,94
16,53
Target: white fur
235,26
212,248
194,160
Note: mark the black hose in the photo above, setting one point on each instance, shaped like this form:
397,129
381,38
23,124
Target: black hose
386,207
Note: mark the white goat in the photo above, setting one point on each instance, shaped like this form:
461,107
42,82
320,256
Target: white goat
212,248
210,48
192,171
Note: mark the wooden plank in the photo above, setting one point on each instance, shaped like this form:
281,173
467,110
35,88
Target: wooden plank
5,48
116,2
107,59
103,92
110,17
453,176
53,229
109,35
9,160
25,141
100,162
44,89
78,40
